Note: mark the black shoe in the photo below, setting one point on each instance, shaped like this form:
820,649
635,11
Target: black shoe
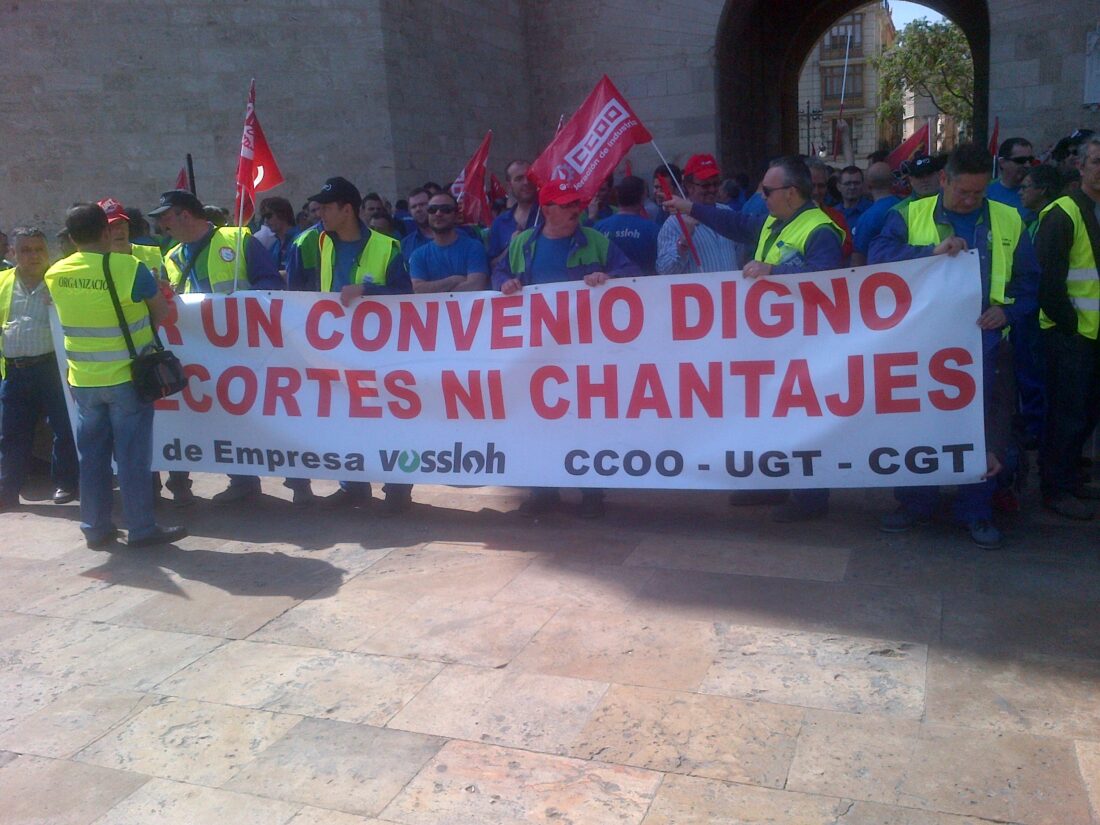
162,535
1070,508
102,541
7,506
182,496
591,507
63,496
540,504
343,498
234,493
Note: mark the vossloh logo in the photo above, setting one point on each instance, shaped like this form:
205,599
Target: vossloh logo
458,459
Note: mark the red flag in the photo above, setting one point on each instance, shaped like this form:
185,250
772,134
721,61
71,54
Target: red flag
257,170
629,170
181,179
995,138
589,147
497,192
469,186
917,142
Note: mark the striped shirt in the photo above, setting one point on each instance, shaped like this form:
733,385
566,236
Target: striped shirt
27,332
716,253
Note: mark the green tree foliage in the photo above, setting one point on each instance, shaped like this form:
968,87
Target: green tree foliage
932,59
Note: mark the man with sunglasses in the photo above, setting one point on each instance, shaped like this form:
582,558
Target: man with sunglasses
559,249
452,261
795,236
1014,159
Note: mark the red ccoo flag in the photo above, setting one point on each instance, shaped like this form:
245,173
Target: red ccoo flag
181,179
497,192
589,147
257,170
469,186
995,138
917,142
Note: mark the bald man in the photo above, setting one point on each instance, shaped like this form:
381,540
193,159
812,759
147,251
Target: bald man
880,182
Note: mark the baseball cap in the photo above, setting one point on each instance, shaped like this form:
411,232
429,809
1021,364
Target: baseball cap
923,165
702,167
174,198
114,210
338,189
1070,143
558,191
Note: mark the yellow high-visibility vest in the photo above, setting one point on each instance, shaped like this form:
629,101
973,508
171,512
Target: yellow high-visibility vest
94,345
1082,280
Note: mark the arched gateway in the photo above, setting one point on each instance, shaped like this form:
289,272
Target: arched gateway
760,50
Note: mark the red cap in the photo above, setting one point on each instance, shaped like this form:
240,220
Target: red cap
702,167
114,210
558,191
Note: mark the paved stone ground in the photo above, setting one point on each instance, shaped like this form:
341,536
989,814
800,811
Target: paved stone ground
680,661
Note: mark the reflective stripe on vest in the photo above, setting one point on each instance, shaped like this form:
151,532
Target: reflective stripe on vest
373,261
7,287
1083,280
1005,228
94,345
792,238
220,256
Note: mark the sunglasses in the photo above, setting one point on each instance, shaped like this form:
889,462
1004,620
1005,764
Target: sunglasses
1024,160
767,190
445,208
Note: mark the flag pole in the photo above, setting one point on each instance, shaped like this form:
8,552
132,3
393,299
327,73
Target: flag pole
240,236
843,90
679,217
191,173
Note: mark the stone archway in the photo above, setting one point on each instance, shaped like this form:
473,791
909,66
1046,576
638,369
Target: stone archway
760,50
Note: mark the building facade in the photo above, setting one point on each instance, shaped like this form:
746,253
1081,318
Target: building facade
839,81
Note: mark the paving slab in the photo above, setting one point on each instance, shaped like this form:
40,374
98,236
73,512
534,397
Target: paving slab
473,784
679,661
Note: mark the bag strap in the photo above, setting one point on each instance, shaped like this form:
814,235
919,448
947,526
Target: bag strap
122,325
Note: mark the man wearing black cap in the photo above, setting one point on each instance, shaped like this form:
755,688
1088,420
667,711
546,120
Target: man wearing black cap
355,261
204,259
922,173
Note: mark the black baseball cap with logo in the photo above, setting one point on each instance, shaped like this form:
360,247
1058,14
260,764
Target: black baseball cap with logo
923,165
174,198
338,190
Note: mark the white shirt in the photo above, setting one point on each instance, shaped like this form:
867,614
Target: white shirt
27,332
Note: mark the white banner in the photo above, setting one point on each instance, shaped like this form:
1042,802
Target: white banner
853,378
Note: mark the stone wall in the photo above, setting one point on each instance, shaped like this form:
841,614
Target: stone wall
1037,68
106,97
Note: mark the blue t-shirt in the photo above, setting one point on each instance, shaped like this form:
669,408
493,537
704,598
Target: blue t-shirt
549,263
634,235
433,262
870,223
964,226
413,241
145,285
504,226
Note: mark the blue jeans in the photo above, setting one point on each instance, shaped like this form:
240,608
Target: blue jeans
28,393
114,420
973,502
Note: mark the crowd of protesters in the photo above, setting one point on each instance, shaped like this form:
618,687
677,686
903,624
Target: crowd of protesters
1035,222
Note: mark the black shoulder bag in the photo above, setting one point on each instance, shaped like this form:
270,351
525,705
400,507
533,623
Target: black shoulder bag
156,373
